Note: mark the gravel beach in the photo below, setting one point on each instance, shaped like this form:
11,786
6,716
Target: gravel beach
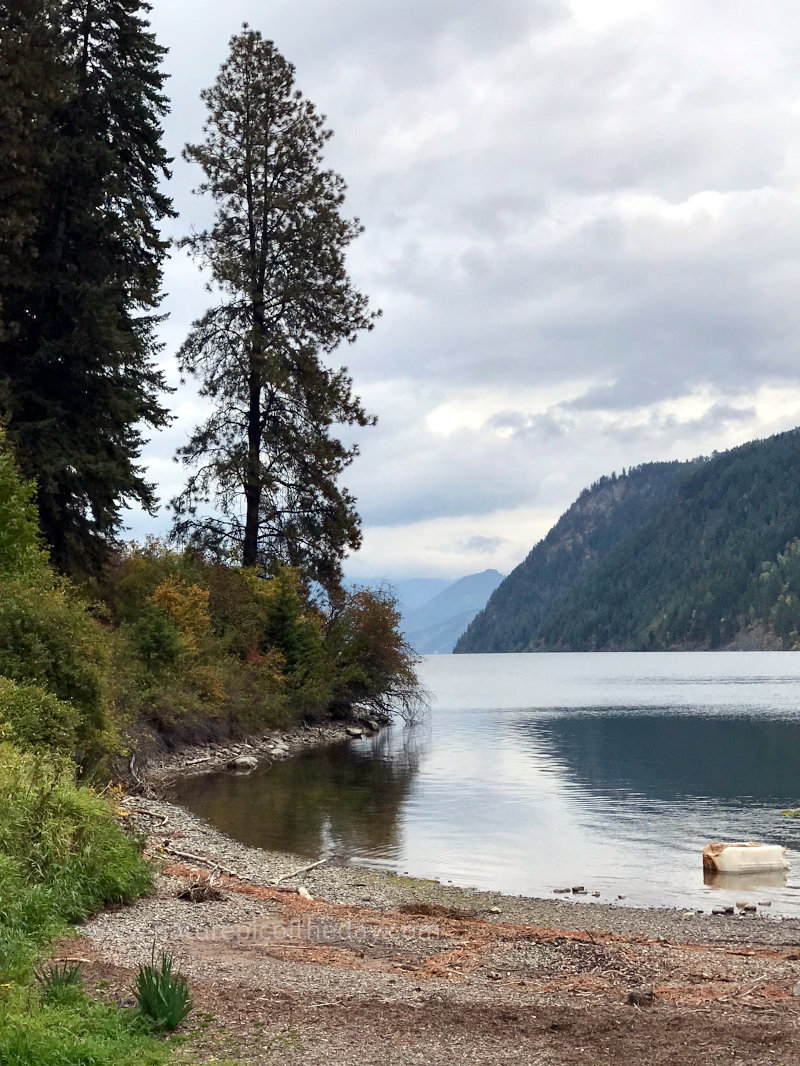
341,965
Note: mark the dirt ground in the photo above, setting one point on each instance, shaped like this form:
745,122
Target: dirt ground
277,978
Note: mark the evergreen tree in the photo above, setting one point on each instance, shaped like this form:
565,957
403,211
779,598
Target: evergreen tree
266,460
77,366
30,80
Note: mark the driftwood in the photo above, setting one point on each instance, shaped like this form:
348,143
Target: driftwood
194,762
301,870
150,814
201,859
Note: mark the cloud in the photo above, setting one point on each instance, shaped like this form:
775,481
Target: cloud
582,224
484,545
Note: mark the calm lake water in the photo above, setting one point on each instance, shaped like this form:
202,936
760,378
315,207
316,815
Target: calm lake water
535,772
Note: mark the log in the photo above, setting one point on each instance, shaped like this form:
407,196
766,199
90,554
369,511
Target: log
201,859
301,870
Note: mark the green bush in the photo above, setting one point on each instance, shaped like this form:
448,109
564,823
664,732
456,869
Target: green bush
62,855
33,718
20,547
154,638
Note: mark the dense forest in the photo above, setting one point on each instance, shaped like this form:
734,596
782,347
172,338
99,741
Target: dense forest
696,555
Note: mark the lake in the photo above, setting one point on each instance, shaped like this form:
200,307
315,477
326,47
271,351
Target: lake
536,772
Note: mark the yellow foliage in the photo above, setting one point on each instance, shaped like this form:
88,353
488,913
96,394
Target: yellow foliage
187,606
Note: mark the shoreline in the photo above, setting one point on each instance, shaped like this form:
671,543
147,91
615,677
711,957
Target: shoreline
160,770
329,877
319,964
167,824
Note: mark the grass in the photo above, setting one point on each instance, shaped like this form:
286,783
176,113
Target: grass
62,856
162,993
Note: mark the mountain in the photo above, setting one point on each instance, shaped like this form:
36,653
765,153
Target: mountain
434,611
697,555
435,626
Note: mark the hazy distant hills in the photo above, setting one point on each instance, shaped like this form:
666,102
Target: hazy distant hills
435,611
436,625
697,555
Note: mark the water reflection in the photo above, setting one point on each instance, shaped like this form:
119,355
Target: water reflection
752,882
663,756
341,801
534,772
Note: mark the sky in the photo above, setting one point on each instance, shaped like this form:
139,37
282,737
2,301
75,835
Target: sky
582,225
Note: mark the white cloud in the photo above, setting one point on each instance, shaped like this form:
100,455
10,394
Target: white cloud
582,223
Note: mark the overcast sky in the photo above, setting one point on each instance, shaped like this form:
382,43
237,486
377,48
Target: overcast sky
582,225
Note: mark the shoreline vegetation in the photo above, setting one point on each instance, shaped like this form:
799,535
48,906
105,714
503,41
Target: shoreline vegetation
113,655
160,651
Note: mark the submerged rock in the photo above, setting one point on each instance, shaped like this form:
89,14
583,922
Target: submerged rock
243,763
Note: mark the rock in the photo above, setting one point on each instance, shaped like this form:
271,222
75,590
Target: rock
243,763
494,910
796,989
622,897
765,903
641,997
355,732
742,903
688,914
562,891
596,895
722,910
578,888
749,908
303,893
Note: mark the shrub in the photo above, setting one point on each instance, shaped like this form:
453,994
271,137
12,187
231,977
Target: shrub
162,993
20,547
33,718
62,855
154,638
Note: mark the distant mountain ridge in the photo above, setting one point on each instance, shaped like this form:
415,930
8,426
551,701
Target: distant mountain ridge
434,612
697,555
435,626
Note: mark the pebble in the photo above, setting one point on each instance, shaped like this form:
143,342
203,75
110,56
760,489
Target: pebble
722,910
562,891
688,914
796,989
578,888
765,903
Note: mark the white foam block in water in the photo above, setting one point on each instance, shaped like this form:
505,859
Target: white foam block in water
744,858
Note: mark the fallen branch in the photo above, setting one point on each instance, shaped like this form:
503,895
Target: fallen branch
194,762
150,814
301,870
201,859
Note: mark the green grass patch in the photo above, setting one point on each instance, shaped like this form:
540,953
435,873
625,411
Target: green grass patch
62,857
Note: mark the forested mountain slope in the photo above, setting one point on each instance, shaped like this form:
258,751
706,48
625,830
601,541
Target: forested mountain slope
680,555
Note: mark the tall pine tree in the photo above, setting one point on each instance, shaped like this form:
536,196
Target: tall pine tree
30,83
266,463
78,372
